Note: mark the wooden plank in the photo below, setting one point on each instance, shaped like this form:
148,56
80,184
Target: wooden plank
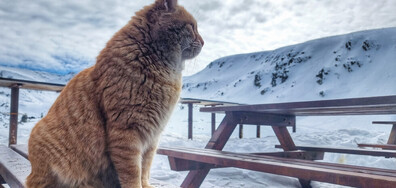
384,122
382,146
284,138
258,131
319,171
222,133
213,122
352,106
308,163
323,111
379,153
25,84
190,121
186,165
13,167
177,164
392,135
14,115
287,144
220,137
306,155
240,131
255,118
206,102
21,149
177,150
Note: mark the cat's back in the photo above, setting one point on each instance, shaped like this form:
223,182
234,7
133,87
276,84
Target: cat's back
72,132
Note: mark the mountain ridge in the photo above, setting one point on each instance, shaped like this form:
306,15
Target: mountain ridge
324,68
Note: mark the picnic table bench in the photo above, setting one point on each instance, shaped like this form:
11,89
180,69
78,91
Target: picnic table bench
15,167
294,161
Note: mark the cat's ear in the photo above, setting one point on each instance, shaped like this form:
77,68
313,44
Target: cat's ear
168,5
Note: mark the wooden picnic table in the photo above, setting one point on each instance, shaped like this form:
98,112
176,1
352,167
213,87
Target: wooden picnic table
295,161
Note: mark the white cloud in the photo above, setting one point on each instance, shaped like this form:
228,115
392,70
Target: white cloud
67,35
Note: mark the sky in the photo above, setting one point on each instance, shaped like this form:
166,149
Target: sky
66,36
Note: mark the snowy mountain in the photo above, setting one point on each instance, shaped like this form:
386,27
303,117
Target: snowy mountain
353,65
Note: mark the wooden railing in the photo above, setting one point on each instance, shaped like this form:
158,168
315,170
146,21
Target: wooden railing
15,85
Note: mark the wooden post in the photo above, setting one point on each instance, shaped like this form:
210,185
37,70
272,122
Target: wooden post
213,123
258,131
392,136
287,144
190,121
284,138
195,177
14,115
240,131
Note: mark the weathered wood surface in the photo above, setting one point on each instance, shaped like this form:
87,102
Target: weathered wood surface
220,137
21,153
187,165
190,121
12,136
382,146
21,149
206,102
284,138
287,144
379,153
353,106
256,118
318,171
13,167
385,122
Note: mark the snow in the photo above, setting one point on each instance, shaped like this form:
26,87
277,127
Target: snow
233,79
352,65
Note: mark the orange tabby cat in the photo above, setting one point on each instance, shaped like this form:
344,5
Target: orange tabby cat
103,129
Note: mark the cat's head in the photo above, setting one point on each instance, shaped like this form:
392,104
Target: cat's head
173,29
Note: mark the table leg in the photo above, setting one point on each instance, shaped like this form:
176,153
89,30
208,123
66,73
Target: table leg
220,137
284,138
392,136
287,144
240,131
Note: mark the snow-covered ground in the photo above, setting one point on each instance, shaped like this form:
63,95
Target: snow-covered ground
354,65
337,131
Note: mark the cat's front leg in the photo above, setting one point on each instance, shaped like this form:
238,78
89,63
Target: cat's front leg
146,165
126,153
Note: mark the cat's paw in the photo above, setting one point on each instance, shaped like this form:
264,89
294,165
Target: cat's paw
147,186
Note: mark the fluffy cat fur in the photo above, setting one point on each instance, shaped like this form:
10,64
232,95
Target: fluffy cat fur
103,129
